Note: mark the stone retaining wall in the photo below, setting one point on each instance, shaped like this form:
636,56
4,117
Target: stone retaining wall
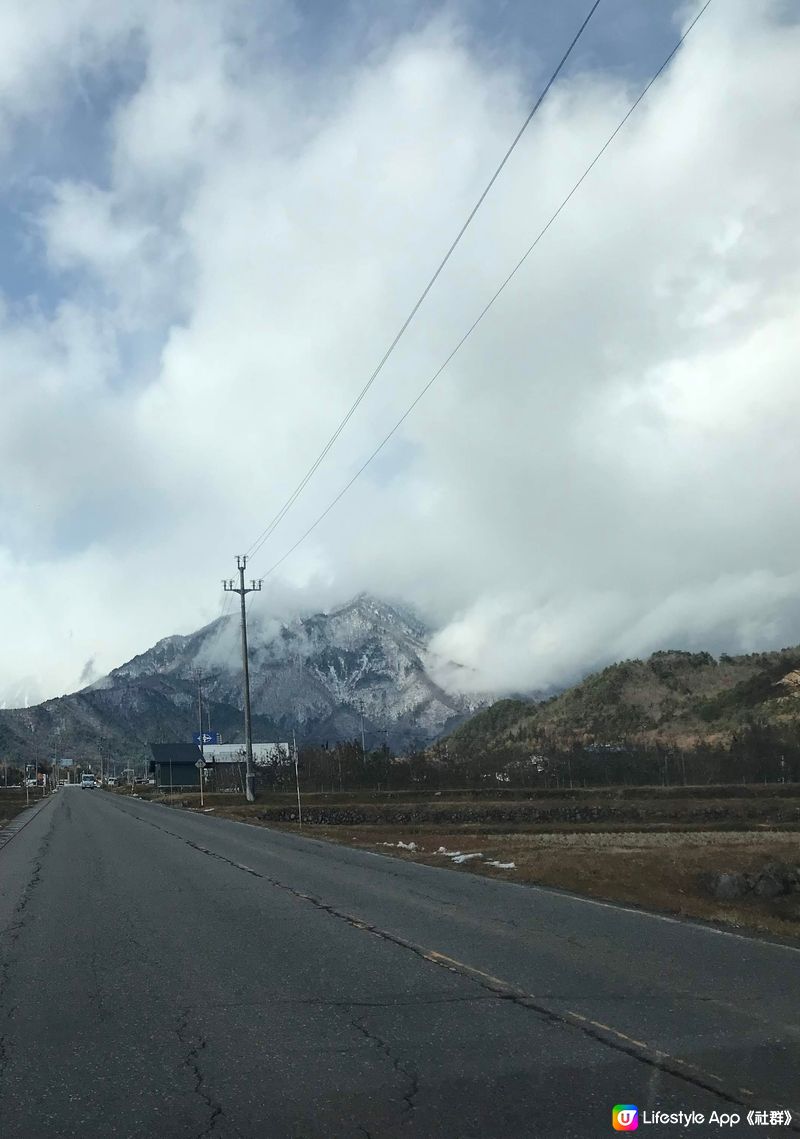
457,814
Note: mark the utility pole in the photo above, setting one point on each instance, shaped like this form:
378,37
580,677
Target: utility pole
242,590
297,780
363,745
201,770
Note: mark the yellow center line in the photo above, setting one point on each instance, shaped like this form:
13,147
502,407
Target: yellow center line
570,1017
441,958
630,1039
636,1048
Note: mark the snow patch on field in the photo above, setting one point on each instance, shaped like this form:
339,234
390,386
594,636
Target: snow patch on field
458,857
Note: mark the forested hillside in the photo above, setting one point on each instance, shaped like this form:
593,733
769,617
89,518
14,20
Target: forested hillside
730,715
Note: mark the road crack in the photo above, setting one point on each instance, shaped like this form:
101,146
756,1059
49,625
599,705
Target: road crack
192,1061
403,1069
651,1057
14,931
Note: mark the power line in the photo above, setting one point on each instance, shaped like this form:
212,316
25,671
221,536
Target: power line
259,542
494,298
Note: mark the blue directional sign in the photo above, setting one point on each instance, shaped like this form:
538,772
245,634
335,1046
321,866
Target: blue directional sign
208,738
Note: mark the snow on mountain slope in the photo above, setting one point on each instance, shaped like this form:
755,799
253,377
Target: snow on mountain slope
317,673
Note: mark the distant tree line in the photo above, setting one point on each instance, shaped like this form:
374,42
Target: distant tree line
757,753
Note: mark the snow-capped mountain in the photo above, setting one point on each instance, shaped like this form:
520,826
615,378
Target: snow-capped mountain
317,675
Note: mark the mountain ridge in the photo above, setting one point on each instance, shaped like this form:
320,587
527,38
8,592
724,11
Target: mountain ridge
317,674
673,698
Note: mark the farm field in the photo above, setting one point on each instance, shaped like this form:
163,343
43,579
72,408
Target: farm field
12,801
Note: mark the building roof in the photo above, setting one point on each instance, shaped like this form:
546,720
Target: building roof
175,753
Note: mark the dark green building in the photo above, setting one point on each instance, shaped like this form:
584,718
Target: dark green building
175,765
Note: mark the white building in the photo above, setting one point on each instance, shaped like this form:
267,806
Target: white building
264,754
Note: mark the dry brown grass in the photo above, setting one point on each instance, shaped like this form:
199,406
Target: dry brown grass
13,801
656,870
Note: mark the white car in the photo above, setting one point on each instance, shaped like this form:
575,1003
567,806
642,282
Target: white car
88,781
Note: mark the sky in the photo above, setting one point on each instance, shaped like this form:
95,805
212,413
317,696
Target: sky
216,215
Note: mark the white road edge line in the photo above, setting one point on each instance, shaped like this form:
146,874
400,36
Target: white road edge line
532,886
683,922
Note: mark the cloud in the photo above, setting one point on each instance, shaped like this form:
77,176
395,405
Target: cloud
606,468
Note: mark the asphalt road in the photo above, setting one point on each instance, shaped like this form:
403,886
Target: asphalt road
164,973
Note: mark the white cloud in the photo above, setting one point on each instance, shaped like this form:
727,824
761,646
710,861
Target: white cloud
608,466
131,258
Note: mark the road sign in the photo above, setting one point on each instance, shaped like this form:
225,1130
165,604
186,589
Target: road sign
200,764
207,738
